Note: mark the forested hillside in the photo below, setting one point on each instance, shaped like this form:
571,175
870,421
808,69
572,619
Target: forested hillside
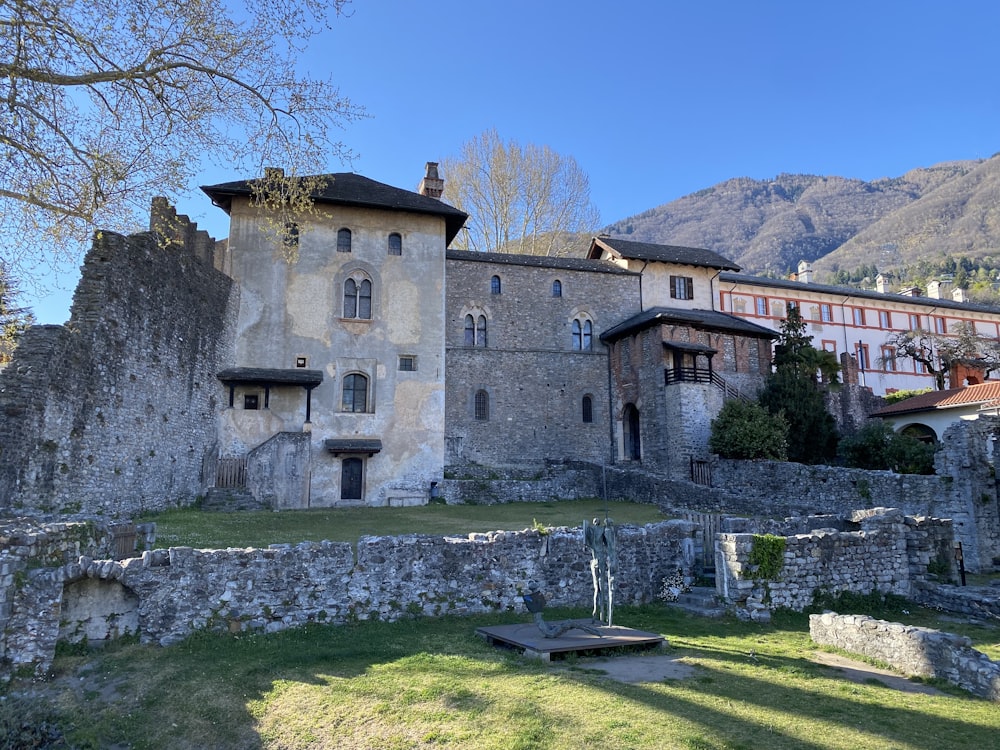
897,224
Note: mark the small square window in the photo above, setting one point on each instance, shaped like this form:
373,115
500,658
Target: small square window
301,361
251,401
407,364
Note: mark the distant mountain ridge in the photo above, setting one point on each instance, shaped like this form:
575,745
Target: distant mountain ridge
768,226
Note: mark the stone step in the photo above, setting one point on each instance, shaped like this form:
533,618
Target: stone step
701,600
227,500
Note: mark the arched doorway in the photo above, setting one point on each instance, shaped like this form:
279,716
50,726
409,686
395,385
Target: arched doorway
630,421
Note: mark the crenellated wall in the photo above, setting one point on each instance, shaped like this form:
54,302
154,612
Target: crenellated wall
114,413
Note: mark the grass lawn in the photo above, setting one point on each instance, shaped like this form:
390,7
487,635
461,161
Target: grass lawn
432,683
190,527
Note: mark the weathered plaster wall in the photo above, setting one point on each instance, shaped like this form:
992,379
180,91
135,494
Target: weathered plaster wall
293,308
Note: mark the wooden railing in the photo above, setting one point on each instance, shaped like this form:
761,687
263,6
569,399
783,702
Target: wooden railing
698,375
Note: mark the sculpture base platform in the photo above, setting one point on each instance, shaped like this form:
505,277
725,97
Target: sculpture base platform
528,639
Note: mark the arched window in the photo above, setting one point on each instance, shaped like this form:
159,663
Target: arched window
365,300
481,331
355,393
557,288
630,418
358,299
482,406
495,285
350,298
395,244
470,331
588,409
344,240
583,335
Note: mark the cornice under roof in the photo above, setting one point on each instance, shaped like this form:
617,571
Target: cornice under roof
349,189
687,256
808,288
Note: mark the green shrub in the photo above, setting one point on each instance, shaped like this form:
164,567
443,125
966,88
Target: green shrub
746,430
876,446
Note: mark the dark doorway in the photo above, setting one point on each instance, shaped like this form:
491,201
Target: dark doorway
350,479
633,450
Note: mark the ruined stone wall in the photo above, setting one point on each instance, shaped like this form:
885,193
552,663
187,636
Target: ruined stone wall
178,591
888,554
114,412
912,650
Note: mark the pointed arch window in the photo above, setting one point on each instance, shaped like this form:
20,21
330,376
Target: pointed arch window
358,299
344,240
583,335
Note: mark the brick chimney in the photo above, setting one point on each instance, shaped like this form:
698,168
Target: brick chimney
431,185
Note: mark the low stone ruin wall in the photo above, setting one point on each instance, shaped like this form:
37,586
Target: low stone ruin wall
912,650
980,602
165,595
886,553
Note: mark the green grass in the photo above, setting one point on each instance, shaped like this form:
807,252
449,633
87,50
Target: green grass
432,683
190,527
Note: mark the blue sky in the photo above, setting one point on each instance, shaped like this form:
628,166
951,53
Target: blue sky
656,100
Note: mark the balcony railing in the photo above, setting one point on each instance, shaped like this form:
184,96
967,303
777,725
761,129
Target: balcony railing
699,375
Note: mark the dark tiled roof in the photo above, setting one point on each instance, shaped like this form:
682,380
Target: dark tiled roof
349,189
688,256
981,393
540,261
353,445
271,376
704,319
847,291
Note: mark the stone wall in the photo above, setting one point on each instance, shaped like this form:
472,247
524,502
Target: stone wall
168,594
888,553
912,650
535,379
114,412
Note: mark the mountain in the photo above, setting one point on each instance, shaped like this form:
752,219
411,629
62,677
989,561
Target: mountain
768,226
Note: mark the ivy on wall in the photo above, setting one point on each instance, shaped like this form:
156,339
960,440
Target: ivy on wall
767,556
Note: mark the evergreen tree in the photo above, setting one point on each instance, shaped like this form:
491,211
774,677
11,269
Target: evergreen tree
793,391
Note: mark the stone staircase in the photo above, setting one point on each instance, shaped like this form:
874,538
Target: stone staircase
700,600
230,500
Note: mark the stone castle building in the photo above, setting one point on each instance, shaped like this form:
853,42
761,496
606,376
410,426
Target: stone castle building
349,357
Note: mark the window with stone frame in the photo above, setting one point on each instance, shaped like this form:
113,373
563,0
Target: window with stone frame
344,240
481,406
475,330
395,244
495,285
587,406
557,288
358,298
583,335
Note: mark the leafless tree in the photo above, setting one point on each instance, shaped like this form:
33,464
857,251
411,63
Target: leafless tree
938,352
520,199
107,104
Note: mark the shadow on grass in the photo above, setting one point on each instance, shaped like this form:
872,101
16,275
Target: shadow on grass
437,677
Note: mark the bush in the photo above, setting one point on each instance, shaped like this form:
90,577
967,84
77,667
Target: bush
746,430
876,446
